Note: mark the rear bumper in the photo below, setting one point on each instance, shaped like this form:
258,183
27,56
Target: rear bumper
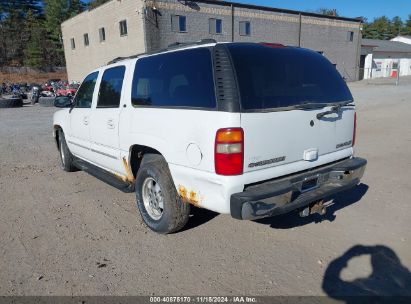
286,194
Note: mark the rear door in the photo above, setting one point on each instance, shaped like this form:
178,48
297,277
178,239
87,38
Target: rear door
282,91
104,127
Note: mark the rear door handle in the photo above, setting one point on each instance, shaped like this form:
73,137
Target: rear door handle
110,124
85,120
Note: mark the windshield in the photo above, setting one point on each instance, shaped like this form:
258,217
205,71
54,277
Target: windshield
285,76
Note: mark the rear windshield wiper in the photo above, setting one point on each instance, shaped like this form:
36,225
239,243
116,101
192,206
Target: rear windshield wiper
310,105
335,109
318,105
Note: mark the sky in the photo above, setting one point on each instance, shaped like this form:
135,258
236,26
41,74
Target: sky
346,8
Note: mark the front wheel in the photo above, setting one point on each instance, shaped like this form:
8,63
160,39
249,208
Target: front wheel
160,206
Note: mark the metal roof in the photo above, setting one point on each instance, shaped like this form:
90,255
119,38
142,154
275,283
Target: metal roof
386,46
274,9
252,6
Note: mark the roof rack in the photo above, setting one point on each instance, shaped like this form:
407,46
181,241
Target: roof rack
172,46
117,59
183,44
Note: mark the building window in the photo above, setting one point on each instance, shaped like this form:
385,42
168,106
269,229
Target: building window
245,28
123,28
178,23
73,43
376,65
350,36
216,26
102,34
86,41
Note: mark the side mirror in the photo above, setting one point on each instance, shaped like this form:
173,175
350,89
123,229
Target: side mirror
62,102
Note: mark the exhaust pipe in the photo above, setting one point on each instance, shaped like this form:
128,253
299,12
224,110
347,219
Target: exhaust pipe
317,207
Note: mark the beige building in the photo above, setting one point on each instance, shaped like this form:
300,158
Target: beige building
94,37
121,28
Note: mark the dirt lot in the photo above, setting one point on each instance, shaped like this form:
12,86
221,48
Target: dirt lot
39,78
71,234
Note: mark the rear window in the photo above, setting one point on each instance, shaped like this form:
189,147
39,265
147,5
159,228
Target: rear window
281,77
176,79
110,87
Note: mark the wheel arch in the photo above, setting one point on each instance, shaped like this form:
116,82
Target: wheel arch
136,154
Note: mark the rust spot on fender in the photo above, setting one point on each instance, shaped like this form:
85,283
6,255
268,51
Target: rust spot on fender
120,177
130,177
190,197
182,191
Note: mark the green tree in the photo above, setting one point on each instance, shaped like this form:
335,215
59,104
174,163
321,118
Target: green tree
396,27
76,7
327,11
378,29
13,37
95,3
20,7
407,27
33,54
56,11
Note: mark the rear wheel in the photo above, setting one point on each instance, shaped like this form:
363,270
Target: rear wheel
160,206
66,157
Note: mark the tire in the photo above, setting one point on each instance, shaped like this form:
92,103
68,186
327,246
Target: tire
175,213
66,158
47,101
11,103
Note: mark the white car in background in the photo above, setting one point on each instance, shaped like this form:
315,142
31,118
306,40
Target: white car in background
252,130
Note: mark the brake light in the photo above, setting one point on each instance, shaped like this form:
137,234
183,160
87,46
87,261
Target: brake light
229,151
273,45
355,129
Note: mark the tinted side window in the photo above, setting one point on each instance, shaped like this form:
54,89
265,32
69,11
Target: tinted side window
110,87
182,78
84,96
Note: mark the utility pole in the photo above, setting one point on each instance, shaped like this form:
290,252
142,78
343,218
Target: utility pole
397,79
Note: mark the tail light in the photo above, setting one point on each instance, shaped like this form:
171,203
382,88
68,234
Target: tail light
229,151
355,129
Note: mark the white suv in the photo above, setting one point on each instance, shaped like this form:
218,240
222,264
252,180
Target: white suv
252,130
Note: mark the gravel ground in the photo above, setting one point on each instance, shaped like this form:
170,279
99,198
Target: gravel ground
71,234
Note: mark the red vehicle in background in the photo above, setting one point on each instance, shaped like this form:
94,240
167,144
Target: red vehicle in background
67,91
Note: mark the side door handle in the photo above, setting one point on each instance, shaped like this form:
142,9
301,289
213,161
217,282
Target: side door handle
110,124
85,120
